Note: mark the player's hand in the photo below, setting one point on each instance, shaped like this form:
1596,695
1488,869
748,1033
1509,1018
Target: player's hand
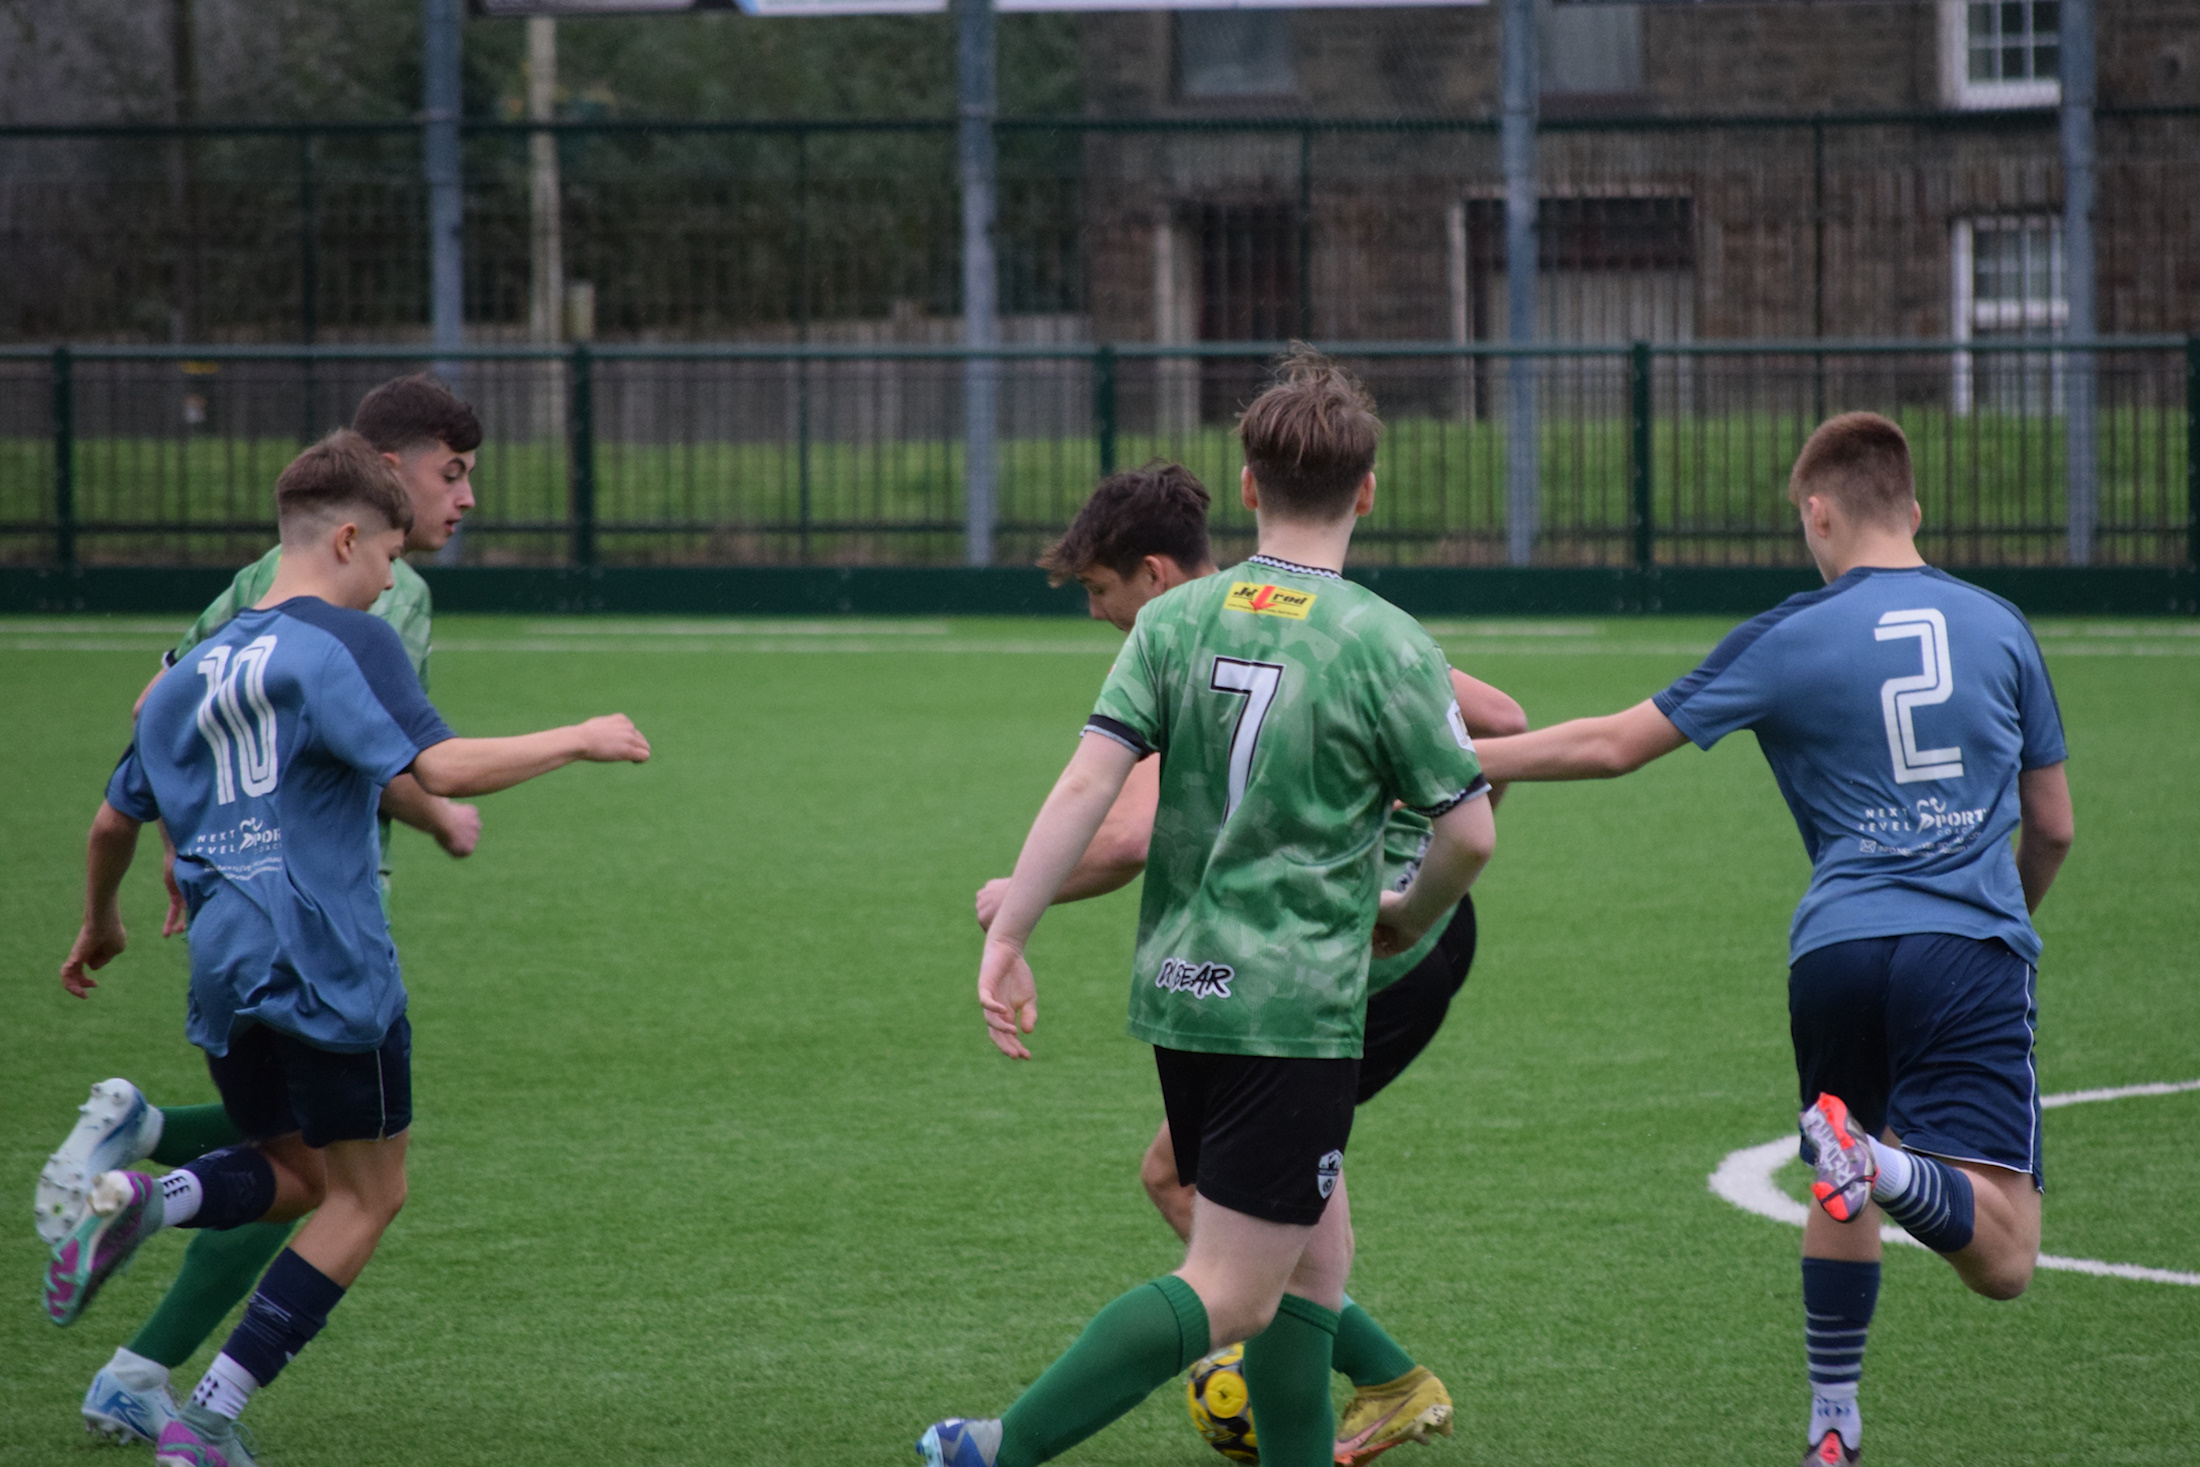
97,944
1009,996
459,831
179,911
990,896
613,739
1392,935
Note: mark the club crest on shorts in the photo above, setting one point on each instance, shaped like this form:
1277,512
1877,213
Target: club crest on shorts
1200,980
1326,1172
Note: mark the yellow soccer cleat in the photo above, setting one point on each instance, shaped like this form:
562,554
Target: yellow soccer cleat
1412,1408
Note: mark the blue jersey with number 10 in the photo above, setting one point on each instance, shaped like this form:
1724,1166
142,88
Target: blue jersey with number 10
265,751
1896,708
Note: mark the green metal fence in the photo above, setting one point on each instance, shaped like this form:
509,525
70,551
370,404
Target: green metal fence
1651,455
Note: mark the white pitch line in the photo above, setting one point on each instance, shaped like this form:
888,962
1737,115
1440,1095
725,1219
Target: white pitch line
1744,1178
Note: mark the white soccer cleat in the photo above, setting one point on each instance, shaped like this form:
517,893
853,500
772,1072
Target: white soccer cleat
115,1127
126,1414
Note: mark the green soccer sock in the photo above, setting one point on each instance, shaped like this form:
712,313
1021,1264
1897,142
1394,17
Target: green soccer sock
1287,1380
219,1269
1365,1353
188,1132
1133,1345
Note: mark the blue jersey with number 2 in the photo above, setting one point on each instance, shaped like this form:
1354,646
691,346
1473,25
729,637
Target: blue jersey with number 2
1896,708
265,751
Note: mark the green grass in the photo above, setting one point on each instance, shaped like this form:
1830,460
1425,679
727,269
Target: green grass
714,1163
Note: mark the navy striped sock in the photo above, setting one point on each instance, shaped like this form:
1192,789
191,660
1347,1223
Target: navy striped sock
1935,1206
1838,1298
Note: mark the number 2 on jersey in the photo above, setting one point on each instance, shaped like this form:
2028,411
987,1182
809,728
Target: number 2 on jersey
223,720
1256,683
1901,697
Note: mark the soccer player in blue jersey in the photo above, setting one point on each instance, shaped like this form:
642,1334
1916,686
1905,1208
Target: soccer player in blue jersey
265,755
1909,721
430,436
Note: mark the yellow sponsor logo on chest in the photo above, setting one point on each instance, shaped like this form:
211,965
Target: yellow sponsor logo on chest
1269,600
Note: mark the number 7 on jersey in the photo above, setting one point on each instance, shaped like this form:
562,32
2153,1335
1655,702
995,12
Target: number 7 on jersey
1256,683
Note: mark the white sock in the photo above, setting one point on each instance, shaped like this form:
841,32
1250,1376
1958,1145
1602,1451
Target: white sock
137,1372
1833,1408
180,1196
1894,1174
225,1388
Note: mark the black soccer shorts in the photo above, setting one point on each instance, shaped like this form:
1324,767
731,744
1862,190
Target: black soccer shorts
272,1084
1259,1134
1405,1016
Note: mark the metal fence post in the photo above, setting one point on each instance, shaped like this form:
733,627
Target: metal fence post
582,418
1638,457
2192,450
1305,221
64,460
1103,407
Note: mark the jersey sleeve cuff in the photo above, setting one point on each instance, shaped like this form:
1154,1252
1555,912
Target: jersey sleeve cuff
1110,728
1480,787
1676,713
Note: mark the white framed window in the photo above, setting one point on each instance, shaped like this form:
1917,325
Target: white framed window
2001,53
2006,280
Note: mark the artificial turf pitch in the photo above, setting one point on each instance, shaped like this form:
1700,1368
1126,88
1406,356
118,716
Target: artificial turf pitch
714,1163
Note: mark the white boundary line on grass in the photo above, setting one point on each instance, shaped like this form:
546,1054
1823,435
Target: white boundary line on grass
1744,1178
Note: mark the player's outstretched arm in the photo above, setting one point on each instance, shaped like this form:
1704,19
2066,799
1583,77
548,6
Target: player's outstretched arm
107,856
484,766
1460,845
1583,748
1488,712
2046,826
1118,851
456,827
1066,825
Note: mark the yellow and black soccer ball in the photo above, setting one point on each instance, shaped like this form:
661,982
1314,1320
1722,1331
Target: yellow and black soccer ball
1215,1395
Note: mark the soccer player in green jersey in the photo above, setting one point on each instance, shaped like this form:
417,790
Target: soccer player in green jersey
431,438
1143,532
1289,709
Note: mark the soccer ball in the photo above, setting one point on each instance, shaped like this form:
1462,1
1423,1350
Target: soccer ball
1215,1395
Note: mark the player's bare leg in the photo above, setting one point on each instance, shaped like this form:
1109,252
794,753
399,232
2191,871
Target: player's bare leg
1170,1196
1279,1288
365,1190
2005,1231
1241,1265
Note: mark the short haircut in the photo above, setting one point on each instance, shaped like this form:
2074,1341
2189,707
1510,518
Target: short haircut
1861,462
407,412
1160,509
336,477
1310,439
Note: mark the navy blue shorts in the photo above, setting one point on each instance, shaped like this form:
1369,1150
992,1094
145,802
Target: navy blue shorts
272,1085
1929,1036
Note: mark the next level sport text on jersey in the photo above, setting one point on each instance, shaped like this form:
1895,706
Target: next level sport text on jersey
1896,708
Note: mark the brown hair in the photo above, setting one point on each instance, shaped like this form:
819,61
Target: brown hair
1861,462
1310,439
342,472
1160,509
407,412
